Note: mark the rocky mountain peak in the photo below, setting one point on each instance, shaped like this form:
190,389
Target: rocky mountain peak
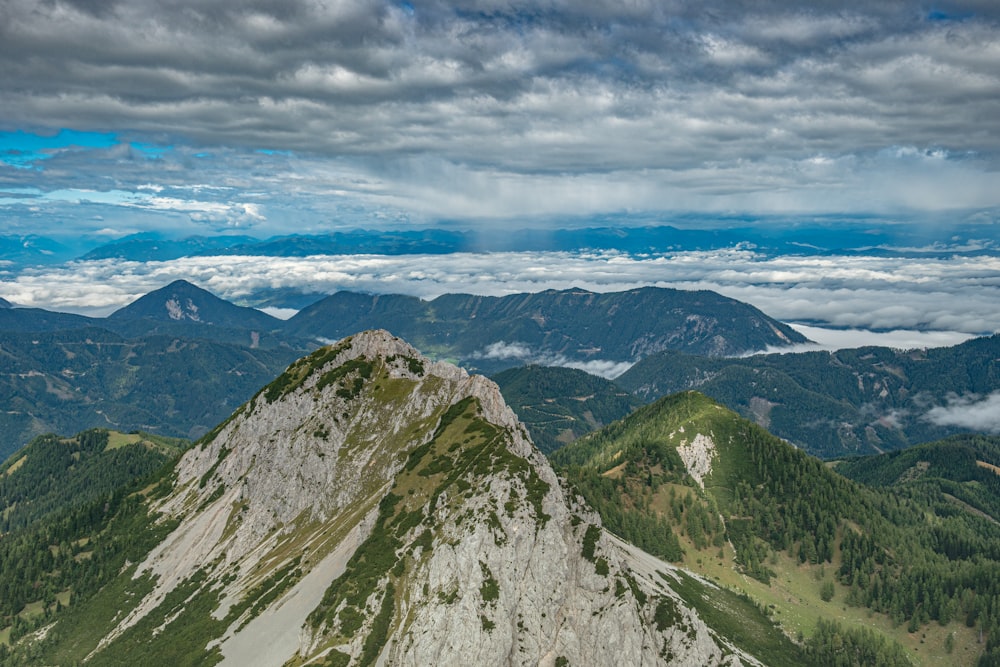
370,506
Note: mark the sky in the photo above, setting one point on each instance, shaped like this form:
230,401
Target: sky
200,116
270,117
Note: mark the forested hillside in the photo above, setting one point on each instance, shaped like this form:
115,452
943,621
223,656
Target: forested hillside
54,473
835,404
72,516
686,478
962,472
494,333
559,405
67,381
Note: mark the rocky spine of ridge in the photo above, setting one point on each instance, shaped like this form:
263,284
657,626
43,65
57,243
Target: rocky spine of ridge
408,492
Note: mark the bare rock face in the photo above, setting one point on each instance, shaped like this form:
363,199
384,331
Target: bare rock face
373,507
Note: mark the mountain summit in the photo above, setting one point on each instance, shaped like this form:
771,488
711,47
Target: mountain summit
180,301
372,507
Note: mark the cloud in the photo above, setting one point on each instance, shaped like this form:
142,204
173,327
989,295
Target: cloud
526,354
838,339
971,411
280,313
950,294
485,111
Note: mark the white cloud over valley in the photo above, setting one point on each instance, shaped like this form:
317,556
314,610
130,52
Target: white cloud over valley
526,354
971,411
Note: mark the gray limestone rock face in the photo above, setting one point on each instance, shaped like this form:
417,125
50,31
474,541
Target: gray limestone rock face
500,565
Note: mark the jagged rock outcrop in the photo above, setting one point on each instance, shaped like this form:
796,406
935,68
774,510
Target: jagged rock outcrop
372,507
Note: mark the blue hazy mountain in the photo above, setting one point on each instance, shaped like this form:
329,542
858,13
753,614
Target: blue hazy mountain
769,237
181,301
492,333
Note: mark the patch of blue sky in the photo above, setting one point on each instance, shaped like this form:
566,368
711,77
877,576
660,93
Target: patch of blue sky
150,151
24,150
28,192
268,151
938,14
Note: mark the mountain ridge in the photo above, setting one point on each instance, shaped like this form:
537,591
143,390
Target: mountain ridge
492,333
59,393
692,481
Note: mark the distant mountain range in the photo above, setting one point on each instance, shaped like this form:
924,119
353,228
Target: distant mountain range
178,341
817,237
179,359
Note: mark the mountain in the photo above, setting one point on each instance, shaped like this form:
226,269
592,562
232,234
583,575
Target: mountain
64,372
835,404
153,247
179,309
37,319
693,482
66,381
52,473
558,405
182,301
4,303
367,507
493,333
28,249
775,237
962,471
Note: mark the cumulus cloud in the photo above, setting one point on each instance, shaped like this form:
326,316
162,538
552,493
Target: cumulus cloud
971,411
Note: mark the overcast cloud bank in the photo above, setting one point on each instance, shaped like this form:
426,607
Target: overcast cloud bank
204,115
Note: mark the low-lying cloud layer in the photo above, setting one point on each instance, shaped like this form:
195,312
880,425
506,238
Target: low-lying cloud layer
949,295
972,412
526,354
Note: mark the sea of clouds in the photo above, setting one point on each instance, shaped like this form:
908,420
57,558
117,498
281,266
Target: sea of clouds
944,300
